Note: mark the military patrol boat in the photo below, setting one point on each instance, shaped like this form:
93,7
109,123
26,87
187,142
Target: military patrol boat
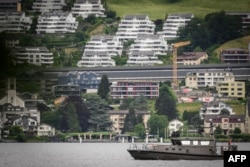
181,149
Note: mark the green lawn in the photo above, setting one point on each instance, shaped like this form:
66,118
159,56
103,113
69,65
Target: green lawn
157,9
237,43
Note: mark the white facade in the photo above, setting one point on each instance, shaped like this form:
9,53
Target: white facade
145,50
143,58
85,8
48,5
99,50
207,78
34,55
105,43
14,22
56,22
214,108
45,130
173,23
96,59
133,25
174,125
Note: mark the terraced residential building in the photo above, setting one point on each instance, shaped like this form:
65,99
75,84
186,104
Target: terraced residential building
85,8
56,22
172,24
48,5
10,5
40,56
100,50
14,22
133,25
145,50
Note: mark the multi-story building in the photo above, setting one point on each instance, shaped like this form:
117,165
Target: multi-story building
40,56
247,116
145,50
87,81
227,123
245,17
191,58
207,78
234,89
10,5
14,22
143,58
173,23
96,59
66,90
118,119
56,22
104,43
126,89
235,55
215,108
85,8
100,50
133,25
48,5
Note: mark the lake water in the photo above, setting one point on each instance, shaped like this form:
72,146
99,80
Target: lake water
85,155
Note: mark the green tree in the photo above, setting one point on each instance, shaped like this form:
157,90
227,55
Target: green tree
72,119
17,133
99,118
130,121
139,129
103,89
237,131
218,130
165,104
157,124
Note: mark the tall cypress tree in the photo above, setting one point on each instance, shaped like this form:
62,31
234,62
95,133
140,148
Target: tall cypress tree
103,89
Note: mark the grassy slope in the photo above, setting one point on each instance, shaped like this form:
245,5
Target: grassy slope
157,9
237,43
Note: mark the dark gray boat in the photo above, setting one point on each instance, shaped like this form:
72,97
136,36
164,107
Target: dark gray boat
181,149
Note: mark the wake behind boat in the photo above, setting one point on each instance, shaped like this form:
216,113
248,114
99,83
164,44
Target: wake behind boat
181,149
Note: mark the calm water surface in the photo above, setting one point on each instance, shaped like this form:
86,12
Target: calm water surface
85,155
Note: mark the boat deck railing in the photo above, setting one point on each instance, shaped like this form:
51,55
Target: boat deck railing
141,147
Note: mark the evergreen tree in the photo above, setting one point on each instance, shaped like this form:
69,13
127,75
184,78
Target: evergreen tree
103,89
72,119
99,118
130,121
165,104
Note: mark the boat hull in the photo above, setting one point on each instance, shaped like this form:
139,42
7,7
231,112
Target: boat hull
154,155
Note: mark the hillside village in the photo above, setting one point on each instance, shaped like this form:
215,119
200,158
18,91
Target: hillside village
135,37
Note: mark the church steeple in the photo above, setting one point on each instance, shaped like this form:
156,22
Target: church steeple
11,91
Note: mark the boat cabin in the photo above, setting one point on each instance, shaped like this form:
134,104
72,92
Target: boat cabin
193,141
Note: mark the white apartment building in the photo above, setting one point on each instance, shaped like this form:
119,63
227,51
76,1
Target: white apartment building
133,25
85,8
48,5
99,51
143,58
56,22
10,5
145,50
105,43
14,22
34,55
96,59
173,23
207,78
155,43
